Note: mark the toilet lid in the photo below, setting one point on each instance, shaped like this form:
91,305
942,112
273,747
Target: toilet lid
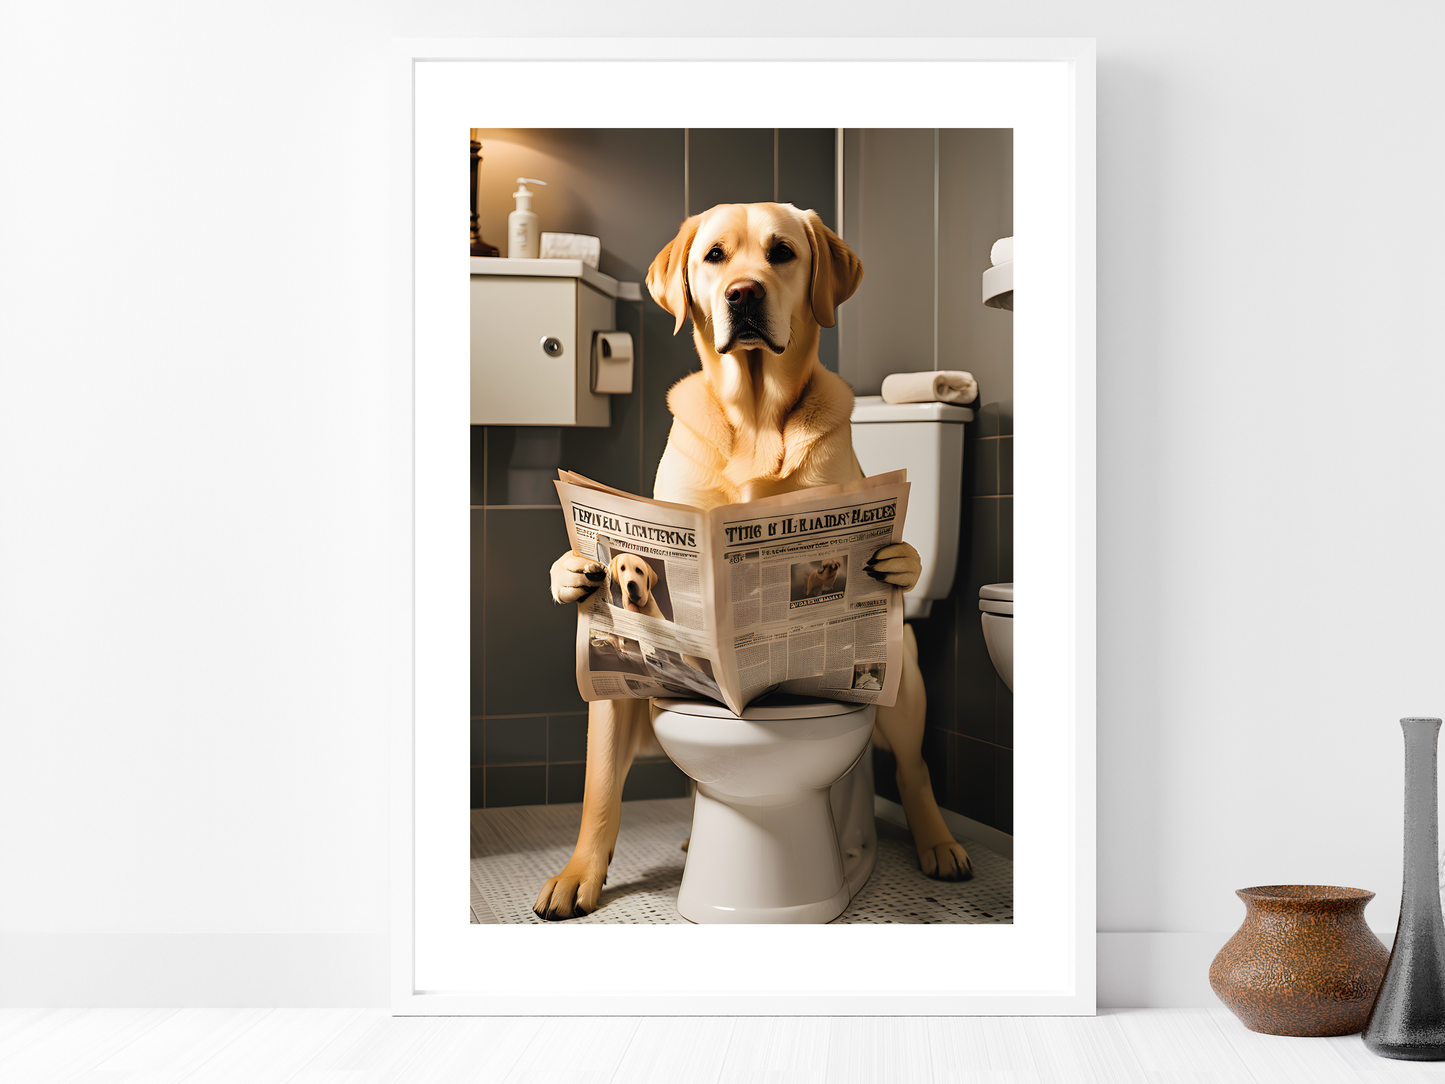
776,706
996,598
871,409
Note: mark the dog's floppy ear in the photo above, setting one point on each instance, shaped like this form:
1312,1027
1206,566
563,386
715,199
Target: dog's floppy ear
612,567
651,575
667,277
837,271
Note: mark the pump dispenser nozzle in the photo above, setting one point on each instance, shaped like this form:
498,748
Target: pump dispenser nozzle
522,195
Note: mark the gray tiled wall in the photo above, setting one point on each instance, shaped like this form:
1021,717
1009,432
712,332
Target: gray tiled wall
922,209
631,188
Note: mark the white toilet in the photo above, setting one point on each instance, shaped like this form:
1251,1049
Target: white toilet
783,823
765,846
996,600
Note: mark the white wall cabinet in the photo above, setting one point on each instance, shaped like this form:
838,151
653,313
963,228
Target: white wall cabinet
532,327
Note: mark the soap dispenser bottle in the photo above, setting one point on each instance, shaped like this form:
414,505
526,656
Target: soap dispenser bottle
522,235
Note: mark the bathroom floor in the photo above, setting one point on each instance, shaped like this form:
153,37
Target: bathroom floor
516,848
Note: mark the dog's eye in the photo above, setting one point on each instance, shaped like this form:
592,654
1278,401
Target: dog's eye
780,254
714,254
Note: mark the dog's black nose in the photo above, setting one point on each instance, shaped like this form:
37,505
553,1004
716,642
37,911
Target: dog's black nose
744,295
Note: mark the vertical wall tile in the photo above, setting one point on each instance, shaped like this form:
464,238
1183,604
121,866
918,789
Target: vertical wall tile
522,463
885,775
517,785
516,741
499,441
479,465
530,640
565,783
985,466
892,315
1004,720
1004,791
478,787
976,700
975,209
1005,540
806,163
937,661
729,165
986,422
478,623
566,738
976,774
1006,465
938,755
478,742
669,359
807,159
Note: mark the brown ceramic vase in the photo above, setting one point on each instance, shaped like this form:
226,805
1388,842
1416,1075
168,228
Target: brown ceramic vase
1303,963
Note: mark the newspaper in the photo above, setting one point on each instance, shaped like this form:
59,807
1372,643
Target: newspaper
740,601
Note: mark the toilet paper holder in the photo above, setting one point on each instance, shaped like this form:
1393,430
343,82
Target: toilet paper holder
612,363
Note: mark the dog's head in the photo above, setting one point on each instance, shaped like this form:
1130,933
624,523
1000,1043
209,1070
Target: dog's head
750,275
828,568
635,576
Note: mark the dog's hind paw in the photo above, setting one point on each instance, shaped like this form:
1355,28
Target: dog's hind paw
946,862
571,894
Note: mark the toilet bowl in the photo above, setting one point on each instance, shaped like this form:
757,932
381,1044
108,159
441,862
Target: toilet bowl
773,839
996,600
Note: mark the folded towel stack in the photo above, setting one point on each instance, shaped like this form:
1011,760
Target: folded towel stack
572,246
935,386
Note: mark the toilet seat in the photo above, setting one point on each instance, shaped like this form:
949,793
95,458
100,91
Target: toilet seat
774,707
996,598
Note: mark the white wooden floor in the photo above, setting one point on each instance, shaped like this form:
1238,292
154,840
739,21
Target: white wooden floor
354,1046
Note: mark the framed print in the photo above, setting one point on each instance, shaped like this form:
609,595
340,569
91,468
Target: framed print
902,174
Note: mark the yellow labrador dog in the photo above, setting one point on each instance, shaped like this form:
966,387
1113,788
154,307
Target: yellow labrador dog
822,578
763,416
636,579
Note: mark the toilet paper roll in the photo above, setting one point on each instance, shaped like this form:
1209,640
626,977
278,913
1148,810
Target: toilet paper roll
1002,251
572,246
935,386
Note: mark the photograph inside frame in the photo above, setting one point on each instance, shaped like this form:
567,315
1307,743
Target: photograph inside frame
724,331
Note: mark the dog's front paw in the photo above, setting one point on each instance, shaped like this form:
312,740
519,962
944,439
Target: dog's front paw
574,577
572,893
946,862
898,564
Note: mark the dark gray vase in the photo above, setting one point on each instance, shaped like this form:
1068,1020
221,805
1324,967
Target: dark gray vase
1408,1020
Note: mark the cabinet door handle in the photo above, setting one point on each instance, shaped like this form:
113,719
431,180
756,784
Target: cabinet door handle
552,346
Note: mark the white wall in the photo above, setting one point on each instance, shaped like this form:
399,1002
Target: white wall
203,524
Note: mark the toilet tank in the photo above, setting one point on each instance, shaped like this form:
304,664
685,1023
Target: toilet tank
926,439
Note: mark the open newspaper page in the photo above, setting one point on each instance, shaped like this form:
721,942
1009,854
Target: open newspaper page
645,631
742,600
797,611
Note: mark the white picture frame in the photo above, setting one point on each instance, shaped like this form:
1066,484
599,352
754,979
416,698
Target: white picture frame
1042,964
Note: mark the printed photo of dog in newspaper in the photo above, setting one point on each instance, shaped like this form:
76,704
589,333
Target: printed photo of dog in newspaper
638,585
818,581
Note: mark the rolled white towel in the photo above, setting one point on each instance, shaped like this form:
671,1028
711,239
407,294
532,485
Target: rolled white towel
935,386
572,246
